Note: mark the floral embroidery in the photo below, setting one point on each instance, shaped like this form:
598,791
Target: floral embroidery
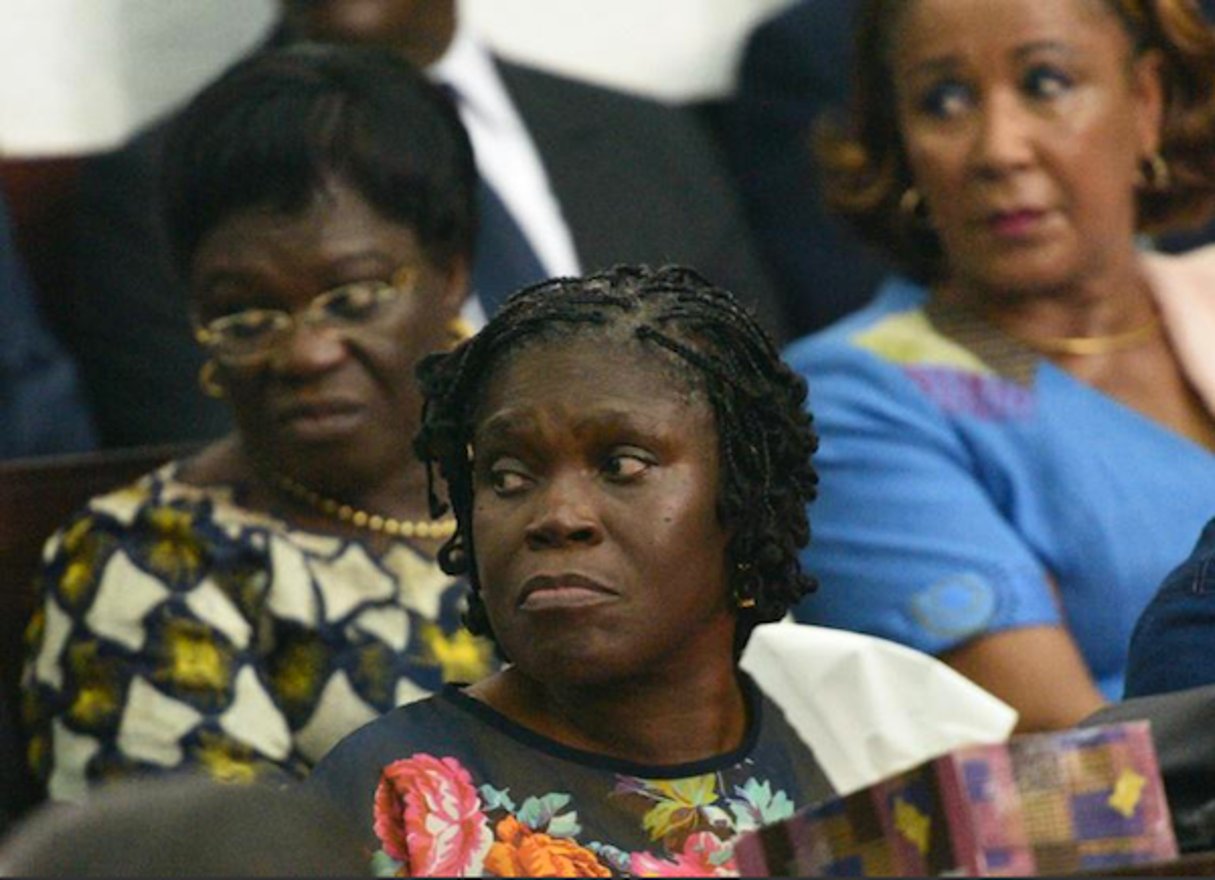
757,805
681,805
703,855
522,852
428,817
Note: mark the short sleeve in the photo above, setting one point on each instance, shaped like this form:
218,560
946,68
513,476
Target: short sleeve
143,655
909,541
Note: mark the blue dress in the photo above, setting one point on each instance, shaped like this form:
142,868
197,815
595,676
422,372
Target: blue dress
962,474
450,787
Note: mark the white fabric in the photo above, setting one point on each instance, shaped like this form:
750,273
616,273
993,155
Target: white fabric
867,707
1184,286
506,155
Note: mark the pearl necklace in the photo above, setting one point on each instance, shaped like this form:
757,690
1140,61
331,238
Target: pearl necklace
347,513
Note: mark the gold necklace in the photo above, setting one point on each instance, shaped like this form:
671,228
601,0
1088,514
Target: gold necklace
1086,346
347,513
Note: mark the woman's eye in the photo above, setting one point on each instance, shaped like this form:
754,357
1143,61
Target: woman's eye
507,480
626,466
1046,81
353,302
945,100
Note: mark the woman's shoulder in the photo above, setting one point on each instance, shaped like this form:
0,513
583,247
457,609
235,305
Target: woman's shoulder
896,298
1191,267
899,331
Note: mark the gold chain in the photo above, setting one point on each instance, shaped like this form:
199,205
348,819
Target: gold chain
386,525
1086,346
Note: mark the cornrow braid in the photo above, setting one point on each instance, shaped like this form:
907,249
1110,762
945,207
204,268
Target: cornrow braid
765,433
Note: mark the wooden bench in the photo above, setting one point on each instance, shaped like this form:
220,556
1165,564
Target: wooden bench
36,496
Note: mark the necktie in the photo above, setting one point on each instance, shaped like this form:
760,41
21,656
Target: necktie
503,259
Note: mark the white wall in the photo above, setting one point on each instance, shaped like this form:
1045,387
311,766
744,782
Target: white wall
672,49
82,75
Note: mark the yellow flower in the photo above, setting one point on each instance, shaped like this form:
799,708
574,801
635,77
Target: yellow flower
462,656
679,803
297,675
178,552
96,697
195,660
227,761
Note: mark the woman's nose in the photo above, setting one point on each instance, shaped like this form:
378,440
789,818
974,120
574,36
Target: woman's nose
565,514
1004,139
307,348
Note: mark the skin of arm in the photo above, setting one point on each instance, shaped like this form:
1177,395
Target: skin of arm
1038,670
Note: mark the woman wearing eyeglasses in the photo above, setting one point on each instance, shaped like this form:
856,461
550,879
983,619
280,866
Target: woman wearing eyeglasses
240,611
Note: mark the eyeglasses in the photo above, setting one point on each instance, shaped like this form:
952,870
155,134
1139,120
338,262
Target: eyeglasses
246,338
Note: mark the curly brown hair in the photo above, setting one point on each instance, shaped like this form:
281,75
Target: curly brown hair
865,167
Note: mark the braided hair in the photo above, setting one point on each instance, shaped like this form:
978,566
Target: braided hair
766,438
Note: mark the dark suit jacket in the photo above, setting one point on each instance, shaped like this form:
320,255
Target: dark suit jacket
42,409
796,70
637,181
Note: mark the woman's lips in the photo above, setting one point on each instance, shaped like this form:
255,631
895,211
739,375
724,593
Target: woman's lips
322,420
560,592
1016,224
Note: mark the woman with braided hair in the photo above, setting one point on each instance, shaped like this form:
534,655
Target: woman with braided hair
628,462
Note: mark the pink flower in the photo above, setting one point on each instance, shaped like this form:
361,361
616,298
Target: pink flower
428,817
704,855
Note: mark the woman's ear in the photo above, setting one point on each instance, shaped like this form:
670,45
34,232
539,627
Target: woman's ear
1147,91
457,279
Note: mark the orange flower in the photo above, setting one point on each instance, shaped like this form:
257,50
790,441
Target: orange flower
521,852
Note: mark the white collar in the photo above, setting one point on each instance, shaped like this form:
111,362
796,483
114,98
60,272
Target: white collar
1184,286
468,67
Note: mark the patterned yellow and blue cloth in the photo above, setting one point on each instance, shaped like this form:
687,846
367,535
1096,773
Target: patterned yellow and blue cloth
177,628
450,787
961,473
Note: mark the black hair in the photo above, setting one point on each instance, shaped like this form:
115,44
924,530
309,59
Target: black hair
284,124
765,433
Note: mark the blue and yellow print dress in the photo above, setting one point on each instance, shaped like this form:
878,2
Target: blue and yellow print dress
177,628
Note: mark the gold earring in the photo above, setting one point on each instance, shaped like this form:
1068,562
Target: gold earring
911,204
209,382
747,602
1155,173
459,329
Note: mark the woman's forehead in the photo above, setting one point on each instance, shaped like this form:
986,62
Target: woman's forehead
589,372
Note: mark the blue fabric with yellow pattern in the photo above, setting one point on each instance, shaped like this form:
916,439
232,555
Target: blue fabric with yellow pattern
960,473
179,629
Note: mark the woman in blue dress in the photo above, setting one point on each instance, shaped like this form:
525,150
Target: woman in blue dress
1017,433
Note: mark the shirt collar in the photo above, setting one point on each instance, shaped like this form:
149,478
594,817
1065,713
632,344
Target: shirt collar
468,68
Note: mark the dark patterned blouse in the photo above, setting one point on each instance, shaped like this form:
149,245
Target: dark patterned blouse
178,628
448,786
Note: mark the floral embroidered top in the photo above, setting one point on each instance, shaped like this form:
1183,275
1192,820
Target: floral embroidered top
178,628
450,787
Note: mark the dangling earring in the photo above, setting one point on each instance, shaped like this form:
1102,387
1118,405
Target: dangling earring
1155,174
209,382
912,207
741,600
459,329
913,217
